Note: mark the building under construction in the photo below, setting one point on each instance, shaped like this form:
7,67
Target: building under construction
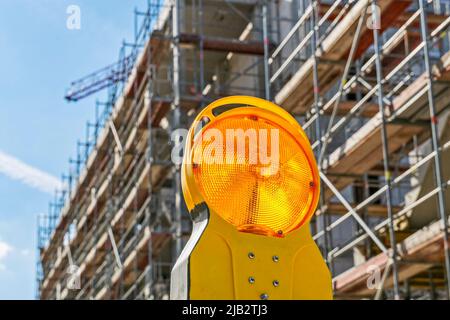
367,80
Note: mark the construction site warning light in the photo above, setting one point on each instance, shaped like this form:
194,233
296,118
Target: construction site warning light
251,185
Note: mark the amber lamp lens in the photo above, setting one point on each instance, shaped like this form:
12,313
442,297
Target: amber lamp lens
261,198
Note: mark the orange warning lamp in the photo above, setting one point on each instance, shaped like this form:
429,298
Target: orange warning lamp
251,184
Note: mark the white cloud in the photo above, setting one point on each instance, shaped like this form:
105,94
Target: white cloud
25,252
5,249
18,170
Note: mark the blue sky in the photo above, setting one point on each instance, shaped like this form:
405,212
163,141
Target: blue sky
39,57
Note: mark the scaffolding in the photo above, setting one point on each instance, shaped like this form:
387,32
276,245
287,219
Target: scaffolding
368,80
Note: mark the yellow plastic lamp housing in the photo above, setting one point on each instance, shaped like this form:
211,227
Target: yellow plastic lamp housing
251,185
272,194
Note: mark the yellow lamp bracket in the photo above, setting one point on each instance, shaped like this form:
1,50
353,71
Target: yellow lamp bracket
251,237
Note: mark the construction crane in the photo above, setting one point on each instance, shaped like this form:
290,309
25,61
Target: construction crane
117,72
101,79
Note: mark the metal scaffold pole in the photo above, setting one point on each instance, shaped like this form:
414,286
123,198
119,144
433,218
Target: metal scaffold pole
176,121
202,52
387,174
318,129
149,93
435,142
266,51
